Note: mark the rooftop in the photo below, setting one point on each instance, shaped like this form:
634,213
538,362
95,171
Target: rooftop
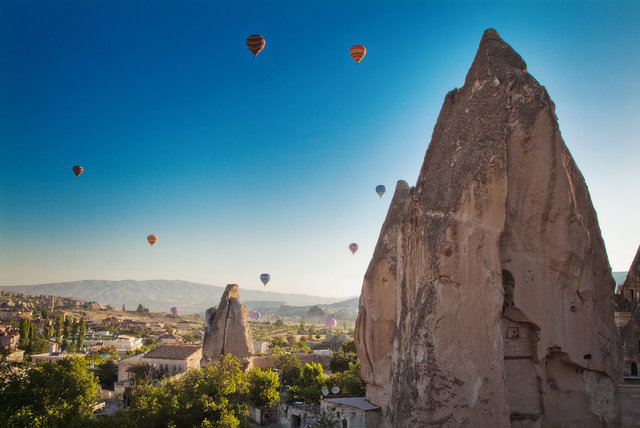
356,402
173,351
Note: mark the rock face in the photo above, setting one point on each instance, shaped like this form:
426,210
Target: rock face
488,300
628,319
226,329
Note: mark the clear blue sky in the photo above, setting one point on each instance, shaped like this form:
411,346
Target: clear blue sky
243,166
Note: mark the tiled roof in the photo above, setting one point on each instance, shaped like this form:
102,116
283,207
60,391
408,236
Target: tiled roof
357,402
173,351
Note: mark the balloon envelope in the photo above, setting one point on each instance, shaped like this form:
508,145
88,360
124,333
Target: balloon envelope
152,239
357,52
265,277
256,316
174,310
330,322
353,247
255,43
77,170
380,189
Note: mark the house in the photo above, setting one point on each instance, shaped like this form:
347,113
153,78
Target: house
169,338
184,325
174,358
353,412
261,347
9,339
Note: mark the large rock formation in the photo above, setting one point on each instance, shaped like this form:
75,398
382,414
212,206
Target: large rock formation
226,329
488,300
628,319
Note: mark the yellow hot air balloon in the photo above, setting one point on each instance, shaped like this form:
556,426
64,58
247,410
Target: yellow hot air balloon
357,52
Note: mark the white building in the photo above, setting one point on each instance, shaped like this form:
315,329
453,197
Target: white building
261,347
174,358
121,343
353,412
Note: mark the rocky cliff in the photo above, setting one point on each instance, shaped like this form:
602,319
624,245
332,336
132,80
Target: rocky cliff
226,329
488,298
628,319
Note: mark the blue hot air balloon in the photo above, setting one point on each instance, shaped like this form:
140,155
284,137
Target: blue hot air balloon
265,277
380,189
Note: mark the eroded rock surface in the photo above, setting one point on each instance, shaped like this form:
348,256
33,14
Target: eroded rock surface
226,329
488,299
628,319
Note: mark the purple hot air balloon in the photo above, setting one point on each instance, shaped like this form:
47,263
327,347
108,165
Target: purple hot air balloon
353,247
330,322
174,310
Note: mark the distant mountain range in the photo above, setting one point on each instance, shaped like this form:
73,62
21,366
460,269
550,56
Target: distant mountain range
159,295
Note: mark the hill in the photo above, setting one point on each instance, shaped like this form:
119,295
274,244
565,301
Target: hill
160,294
619,277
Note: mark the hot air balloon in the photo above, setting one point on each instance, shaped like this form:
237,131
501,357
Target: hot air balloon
255,43
380,189
256,315
353,247
265,277
251,313
357,52
152,239
77,170
330,322
174,310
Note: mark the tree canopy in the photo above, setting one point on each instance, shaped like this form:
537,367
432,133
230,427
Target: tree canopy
58,394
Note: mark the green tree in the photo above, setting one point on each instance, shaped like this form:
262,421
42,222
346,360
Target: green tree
350,381
25,333
349,346
340,361
289,366
107,373
214,396
82,330
58,394
278,323
58,328
74,327
263,388
309,385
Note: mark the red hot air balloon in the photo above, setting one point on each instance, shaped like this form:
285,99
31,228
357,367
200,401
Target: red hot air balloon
255,43
152,239
77,170
353,247
357,52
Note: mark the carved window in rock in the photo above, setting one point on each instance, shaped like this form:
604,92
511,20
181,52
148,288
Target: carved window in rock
509,284
634,369
513,333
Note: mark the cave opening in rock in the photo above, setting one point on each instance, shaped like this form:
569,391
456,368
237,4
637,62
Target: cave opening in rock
509,283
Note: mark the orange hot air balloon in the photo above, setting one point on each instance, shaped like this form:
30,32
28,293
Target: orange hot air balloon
255,43
152,239
77,170
357,52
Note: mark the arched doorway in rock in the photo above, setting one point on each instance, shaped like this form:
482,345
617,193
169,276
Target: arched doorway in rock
509,284
345,424
634,369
